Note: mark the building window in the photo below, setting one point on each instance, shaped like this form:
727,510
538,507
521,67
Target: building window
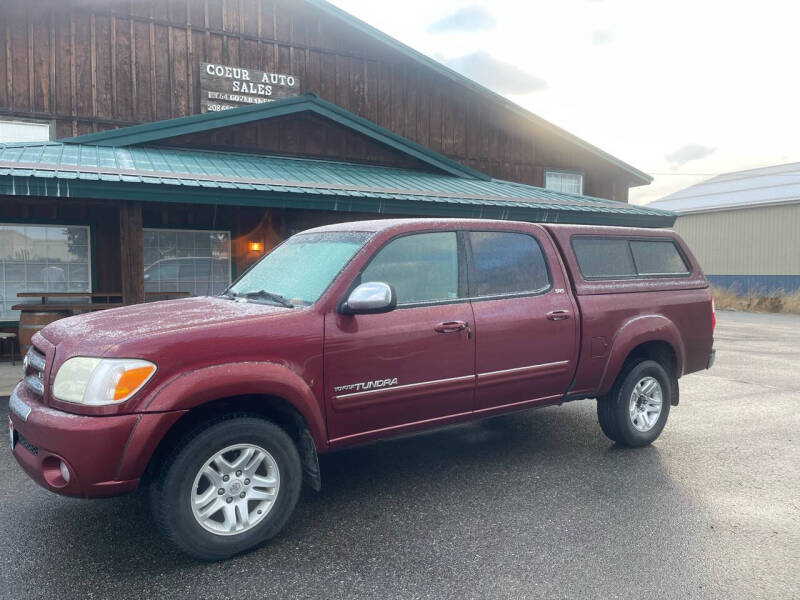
564,181
183,260
24,131
42,258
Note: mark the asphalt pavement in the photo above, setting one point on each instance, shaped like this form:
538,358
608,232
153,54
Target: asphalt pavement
533,505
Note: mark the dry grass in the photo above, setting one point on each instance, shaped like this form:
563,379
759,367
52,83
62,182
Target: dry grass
752,301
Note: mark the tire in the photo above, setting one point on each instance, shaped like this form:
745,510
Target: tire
614,410
183,478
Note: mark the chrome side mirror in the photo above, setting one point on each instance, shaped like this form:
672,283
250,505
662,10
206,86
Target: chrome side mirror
369,298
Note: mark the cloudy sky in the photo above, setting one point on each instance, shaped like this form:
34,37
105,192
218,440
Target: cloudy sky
681,89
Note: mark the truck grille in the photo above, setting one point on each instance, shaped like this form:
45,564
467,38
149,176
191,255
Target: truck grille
33,371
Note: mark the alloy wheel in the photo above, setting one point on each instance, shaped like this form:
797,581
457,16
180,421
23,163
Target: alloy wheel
235,489
645,404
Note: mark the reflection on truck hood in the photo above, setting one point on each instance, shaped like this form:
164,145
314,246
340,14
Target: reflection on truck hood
110,327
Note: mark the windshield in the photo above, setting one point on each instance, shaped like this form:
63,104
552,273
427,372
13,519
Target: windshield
298,271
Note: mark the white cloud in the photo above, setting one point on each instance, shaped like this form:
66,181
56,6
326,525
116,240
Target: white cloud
600,37
497,75
688,153
469,18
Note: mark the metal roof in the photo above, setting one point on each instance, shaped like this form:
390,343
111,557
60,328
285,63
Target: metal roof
639,177
198,176
159,130
778,184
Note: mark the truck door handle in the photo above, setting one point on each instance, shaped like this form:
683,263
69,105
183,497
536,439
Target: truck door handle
558,315
451,327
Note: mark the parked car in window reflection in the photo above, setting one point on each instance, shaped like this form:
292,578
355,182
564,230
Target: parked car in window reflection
199,276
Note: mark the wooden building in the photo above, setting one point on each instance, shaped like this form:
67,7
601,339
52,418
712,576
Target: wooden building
163,145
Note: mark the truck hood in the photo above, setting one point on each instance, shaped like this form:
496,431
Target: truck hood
102,330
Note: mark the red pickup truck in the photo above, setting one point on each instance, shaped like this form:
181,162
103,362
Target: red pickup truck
350,333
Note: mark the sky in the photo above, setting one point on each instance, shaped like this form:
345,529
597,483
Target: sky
682,90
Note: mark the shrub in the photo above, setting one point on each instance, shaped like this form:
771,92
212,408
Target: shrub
755,301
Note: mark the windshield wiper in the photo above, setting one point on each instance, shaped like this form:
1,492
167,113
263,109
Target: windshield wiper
271,296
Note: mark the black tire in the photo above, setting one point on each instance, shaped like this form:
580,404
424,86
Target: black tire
613,408
171,488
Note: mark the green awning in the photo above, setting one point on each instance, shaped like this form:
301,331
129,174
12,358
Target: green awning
196,176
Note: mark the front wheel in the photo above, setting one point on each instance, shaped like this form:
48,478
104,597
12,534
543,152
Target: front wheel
635,411
230,486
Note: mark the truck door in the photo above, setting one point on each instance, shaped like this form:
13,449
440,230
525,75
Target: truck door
414,364
525,320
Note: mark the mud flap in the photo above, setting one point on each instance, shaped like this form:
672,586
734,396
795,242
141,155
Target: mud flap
308,451
676,392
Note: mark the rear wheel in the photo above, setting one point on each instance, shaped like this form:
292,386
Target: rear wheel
636,409
228,487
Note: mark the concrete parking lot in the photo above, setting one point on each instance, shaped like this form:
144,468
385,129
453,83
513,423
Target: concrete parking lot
538,504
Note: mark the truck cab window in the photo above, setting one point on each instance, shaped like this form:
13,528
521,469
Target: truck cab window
507,263
604,258
421,267
618,257
657,257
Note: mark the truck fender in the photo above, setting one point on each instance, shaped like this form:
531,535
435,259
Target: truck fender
640,330
195,388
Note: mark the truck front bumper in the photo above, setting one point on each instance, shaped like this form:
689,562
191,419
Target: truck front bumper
49,444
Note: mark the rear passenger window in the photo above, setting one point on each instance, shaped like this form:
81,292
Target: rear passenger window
614,258
657,257
507,263
422,267
604,257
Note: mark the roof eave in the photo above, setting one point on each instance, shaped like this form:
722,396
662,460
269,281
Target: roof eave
728,207
139,191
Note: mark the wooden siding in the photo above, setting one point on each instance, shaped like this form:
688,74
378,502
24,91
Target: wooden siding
303,134
91,65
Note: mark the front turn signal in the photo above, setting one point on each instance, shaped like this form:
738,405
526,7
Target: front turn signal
131,380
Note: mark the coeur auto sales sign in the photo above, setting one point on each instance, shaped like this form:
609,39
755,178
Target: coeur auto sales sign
224,86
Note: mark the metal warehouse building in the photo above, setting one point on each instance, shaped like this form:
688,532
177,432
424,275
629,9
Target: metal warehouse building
744,227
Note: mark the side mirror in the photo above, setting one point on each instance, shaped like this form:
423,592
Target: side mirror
370,298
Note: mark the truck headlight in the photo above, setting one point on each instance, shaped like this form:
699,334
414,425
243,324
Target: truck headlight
100,381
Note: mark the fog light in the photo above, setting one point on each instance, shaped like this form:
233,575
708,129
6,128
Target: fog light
64,471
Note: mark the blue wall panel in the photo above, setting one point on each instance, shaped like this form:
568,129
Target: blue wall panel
760,284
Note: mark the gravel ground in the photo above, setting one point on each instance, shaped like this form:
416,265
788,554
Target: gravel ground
537,504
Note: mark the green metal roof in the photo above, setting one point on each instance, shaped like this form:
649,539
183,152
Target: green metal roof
195,176
159,130
639,177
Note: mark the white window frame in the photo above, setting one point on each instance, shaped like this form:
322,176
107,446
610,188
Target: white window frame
560,173
43,128
89,265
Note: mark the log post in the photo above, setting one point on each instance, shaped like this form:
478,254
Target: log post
131,246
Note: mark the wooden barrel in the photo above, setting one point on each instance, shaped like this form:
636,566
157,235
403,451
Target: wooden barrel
31,321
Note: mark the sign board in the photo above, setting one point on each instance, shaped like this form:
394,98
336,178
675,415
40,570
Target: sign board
223,87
